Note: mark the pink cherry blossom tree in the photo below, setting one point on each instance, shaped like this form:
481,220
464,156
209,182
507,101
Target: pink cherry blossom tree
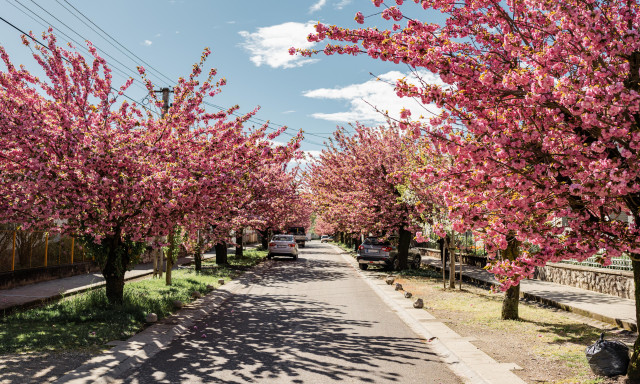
355,184
540,111
75,159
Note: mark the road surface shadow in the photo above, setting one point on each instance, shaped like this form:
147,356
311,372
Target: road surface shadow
255,338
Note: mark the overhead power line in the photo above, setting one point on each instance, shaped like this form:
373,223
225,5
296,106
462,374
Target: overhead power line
42,44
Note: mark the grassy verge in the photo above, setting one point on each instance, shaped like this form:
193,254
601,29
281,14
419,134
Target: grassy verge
548,344
344,247
86,321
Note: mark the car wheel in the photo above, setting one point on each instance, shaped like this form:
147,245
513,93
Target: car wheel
363,266
396,264
269,256
295,257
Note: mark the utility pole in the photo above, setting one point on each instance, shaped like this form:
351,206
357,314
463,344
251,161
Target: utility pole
165,99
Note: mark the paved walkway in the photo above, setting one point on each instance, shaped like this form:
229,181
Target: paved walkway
33,294
606,308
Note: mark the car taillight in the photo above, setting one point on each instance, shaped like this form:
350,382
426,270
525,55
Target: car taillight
292,245
272,244
386,249
361,247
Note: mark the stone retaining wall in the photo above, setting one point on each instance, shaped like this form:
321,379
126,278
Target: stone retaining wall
608,281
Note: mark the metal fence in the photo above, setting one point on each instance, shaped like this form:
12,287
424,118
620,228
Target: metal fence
37,249
619,263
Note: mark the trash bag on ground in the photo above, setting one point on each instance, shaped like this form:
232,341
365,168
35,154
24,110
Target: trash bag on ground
608,357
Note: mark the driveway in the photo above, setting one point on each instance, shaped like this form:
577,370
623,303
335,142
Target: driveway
313,320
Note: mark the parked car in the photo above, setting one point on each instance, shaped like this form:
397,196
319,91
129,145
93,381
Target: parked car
384,252
326,239
283,245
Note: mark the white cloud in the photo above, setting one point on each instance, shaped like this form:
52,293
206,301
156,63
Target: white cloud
147,43
287,112
363,97
270,45
343,3
231,22
317,6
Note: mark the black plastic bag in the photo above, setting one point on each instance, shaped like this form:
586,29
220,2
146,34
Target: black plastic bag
608,358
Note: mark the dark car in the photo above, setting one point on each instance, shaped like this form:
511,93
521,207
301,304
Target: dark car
383,252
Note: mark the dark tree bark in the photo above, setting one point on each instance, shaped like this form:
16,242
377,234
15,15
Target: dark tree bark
221,253
115,257
404,241
356,243
512,296
451,254
239,245
197,259
443,259
264,239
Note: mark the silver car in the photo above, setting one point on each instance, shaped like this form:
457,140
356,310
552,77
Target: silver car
283,245
384,253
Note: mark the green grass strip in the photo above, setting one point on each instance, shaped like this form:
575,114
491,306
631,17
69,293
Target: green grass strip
87,321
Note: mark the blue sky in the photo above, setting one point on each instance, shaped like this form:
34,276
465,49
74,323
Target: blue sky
249,42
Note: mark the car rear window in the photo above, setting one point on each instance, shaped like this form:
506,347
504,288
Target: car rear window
376,241
282,238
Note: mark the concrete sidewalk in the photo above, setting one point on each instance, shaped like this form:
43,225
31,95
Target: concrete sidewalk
605,308
33,294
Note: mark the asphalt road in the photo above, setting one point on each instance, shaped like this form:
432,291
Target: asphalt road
313,320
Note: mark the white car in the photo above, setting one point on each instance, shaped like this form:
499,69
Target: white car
283,245
326,239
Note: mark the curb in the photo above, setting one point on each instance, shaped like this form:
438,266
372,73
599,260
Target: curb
464,359
133,352
620,323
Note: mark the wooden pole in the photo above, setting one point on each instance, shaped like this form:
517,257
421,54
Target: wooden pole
46,248
13,252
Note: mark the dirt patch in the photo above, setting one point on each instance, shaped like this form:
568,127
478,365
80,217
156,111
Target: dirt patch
548,344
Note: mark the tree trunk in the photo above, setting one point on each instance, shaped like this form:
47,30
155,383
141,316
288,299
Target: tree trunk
115,265
239,246
452,260
512,296
357,243
404,241
443,260
197,259
221,253
197,256
170,255
264,239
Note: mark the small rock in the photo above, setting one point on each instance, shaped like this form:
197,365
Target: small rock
221,281
196,295
389,280
151,318
418,303
210,287
408,295
398,287
177,303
